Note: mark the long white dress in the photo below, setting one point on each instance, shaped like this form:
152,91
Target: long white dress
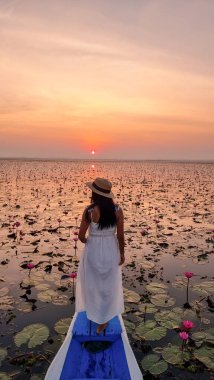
99,289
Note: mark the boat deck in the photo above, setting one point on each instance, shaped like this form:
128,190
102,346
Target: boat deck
93,356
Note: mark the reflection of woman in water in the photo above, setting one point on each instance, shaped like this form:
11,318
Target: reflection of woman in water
99,280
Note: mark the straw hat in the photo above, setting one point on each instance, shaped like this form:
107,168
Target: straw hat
101,186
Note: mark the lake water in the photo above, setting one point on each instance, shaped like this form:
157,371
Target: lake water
169,230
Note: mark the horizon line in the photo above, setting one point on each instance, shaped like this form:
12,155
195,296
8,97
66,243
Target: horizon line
107,159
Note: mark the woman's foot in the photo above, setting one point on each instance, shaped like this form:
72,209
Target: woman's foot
101,327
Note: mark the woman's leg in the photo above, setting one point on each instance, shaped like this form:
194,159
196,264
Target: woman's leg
101,327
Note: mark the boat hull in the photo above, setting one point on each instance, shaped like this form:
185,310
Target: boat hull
87,355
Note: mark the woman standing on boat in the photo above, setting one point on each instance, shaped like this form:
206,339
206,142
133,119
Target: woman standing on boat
99,289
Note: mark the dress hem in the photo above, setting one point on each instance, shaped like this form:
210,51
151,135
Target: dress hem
95,320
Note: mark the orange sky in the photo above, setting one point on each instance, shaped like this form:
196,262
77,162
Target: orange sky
131,79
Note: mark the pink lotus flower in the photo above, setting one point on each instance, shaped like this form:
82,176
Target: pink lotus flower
16,224
183,335
73,275
188,274
30,265
188,325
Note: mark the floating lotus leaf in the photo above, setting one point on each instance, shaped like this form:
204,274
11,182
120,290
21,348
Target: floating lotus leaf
47,295
204,288
149,330
162,300
205,355
6,303
4,376
3,291
146,264
156,287
153,364
185,313
201,260
60,299
158,350
180,282
131,296
33,335
127,309
203,336
52,296
205,321
130,326
34,279
147,308
42,287
25,307
189,314
174,355
30,281
168,319
62,325
3,354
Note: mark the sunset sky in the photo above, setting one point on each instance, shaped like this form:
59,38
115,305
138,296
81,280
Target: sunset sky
132,79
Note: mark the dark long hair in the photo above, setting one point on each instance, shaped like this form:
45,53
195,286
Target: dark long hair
107,210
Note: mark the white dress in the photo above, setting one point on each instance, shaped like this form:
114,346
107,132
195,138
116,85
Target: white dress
99,289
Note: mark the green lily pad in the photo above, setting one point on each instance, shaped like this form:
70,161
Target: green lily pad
204,288
150,331
162,300
205,355
168,319
131,296
180,282
172,319
52,296
156,288
25,307
130,326
153,364
4,376
174,355
146,264
3,354
33,335
3,291
62,325
30,281
147,308
205,321
201,337
42,287
6,303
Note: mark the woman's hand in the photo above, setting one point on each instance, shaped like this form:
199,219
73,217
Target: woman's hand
122,259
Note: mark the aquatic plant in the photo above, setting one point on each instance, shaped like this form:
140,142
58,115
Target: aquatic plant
188,325
30,266
32,335
188,275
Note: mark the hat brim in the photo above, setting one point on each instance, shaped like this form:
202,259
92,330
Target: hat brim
107,195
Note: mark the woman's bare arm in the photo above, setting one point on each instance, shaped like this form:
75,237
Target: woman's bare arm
120,235
83,228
